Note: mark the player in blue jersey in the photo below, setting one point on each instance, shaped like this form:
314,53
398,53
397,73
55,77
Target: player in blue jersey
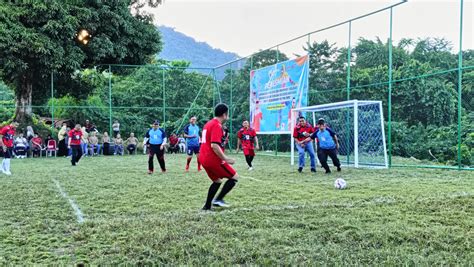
156,142
191,133
328,145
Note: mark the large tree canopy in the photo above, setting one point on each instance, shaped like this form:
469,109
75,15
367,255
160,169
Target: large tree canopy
38,38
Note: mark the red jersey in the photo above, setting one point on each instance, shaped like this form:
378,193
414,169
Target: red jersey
211,133
36,141
75,136
247,137
300,130
8,133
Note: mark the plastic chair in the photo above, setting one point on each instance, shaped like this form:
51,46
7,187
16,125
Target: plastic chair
51,147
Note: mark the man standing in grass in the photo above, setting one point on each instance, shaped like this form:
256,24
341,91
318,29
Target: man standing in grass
75,137
327,145
7,134
191,133
247,137
156,141
214,161
302,131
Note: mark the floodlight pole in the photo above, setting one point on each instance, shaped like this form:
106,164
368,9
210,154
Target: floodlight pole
390,91
460,84
110,99
52,102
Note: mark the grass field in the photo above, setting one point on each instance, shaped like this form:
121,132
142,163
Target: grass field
278,216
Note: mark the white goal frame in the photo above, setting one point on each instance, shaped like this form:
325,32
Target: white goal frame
355,104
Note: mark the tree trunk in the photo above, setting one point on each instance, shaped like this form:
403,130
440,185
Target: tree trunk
23,99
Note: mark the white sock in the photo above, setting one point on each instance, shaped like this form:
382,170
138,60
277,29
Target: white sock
7,165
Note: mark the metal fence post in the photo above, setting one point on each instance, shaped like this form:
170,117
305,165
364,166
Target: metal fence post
52,102
390,74
110,99
460,84
163,85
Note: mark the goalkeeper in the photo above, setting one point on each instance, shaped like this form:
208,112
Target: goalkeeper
327,145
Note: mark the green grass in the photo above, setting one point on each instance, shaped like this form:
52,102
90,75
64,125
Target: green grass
389,217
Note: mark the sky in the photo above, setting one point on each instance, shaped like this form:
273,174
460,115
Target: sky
246,26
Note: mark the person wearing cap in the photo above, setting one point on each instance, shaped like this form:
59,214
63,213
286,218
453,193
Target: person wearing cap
327,145
301,134
156,141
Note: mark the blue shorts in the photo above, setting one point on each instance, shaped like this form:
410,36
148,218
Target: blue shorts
193,149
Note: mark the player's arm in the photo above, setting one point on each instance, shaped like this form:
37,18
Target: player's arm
238,145
217,149
186,132
1,142
165,140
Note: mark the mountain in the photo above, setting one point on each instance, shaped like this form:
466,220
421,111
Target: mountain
178,46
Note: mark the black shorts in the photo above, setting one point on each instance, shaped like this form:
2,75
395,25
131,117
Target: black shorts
6,154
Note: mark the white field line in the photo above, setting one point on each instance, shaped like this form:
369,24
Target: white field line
77,211
251,178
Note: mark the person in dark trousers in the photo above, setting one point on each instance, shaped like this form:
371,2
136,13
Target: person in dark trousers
156,141
214,161
303,142
327,145
74,143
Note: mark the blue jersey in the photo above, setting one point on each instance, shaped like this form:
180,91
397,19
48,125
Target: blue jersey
155,137
192,130
325,138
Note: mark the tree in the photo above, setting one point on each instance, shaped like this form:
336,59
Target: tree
38,38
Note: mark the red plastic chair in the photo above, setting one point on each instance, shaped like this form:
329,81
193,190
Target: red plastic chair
51,147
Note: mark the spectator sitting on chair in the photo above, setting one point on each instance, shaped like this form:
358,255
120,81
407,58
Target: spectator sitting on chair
116,128
182,144
89,127
106,144
37,145
118,145
94,147
174,148
132,143
21,146
84,141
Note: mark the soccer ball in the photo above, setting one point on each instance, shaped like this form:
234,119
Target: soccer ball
340,183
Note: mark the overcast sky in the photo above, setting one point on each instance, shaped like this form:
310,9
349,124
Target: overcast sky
245,26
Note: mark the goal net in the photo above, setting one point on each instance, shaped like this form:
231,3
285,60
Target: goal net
359,127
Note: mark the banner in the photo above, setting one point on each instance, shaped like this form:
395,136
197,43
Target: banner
274,91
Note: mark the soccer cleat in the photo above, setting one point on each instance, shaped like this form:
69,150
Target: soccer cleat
338,169
163,171
313,170
220,203
7,173
187,168
250,169
300,169
150,172
206,209
328,171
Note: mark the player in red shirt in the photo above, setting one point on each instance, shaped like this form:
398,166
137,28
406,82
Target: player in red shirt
75,137
7,134
213,159
303,143
247,137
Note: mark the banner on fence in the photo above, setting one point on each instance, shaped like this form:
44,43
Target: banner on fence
274,91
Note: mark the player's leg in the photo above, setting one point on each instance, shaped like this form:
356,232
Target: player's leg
78,155
74,150
161,158
151,155
226,172
335,160
196,152
8,155
310,149
323,158
301,155
211,193
189,152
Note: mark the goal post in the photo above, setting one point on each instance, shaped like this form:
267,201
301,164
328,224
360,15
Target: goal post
359,125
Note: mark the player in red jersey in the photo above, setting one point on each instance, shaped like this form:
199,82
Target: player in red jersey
247,137
75,137
213,159
7,134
